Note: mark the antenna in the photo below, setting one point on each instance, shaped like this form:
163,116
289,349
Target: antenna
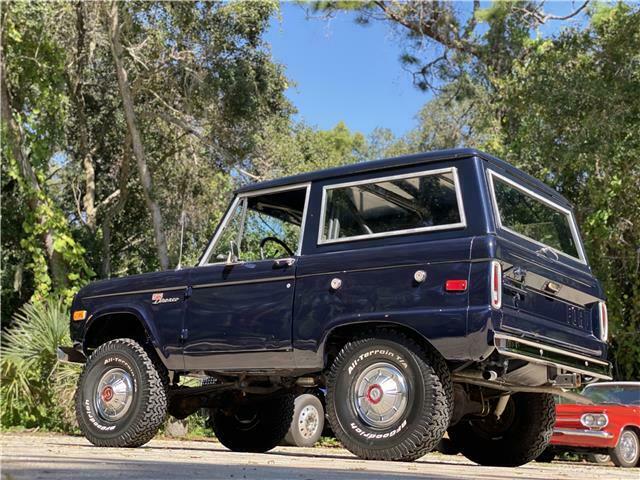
183,217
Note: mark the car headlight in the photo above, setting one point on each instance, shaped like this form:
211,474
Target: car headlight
594,420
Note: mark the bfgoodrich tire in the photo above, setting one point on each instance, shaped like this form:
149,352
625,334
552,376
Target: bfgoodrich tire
308,421
256,425
121,400
388,398
520,435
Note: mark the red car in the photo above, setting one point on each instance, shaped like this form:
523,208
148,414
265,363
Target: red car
611,426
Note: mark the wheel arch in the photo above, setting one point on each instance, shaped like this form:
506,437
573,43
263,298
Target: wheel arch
339,335
119,322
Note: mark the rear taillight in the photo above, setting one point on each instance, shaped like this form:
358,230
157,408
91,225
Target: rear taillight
496,284
604,321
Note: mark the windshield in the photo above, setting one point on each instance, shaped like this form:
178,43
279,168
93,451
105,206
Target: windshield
618,394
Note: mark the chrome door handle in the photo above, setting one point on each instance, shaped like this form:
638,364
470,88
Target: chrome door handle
284,262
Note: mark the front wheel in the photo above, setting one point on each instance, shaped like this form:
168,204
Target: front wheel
253,425
519,436
627,452
121,400
388,398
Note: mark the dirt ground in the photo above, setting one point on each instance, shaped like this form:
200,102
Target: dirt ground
46,456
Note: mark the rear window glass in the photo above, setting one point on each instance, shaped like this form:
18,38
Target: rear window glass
525,214
392,205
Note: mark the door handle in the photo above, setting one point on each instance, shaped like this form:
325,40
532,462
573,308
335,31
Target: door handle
284,262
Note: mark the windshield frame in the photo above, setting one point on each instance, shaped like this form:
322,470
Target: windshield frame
536,196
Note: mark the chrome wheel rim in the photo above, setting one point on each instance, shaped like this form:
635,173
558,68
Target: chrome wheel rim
380,395
308,421
628,447
114,394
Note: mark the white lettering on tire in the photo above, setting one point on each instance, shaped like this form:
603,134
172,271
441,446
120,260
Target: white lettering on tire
376,436
385,352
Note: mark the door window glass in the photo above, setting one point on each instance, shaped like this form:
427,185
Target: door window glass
400,204
262,226
526,215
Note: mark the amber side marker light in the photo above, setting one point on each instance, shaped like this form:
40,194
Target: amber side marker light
79,315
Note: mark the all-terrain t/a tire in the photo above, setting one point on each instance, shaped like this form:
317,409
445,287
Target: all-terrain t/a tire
253,426
520,435
121,400
388,398
308,421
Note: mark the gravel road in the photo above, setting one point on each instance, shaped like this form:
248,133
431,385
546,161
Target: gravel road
45,456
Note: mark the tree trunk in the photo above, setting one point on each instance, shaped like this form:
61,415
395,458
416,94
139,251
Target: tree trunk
136,142
77,94
33,191
107,222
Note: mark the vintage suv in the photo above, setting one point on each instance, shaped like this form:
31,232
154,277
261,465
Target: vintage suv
431,292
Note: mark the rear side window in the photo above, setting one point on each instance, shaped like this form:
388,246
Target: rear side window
525,213
393,205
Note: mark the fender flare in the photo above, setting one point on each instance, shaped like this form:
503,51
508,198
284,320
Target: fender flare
140,315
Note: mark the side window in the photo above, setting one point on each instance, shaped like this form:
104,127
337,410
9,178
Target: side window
262,226
527,214
392,205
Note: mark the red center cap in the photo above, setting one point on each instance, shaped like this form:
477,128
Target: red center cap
107,393
374,394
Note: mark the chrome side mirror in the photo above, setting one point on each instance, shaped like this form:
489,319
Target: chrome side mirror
231,256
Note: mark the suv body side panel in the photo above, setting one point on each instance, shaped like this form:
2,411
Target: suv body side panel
377,277
163,320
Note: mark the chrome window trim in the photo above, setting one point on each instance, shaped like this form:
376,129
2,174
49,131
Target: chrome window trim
254,193
456,180
572,221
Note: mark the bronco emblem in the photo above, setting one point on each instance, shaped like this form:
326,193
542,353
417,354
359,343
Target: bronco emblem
157,298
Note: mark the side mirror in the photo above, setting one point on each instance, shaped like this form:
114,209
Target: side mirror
231,256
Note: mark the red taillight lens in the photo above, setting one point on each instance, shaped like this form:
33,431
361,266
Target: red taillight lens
496,284
604,321
455,285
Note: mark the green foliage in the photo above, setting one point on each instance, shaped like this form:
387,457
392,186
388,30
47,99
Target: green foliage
36,390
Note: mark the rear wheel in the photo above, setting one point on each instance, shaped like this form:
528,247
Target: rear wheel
121,400
256,425
388,398
519,436
627,452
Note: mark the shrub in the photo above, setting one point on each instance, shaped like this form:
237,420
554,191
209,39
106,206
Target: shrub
36,390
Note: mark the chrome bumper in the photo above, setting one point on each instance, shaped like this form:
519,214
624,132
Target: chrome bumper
535,352
582,433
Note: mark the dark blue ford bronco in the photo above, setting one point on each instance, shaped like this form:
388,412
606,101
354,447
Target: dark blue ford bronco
445,291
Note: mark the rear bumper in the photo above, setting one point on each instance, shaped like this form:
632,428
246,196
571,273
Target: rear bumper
536,352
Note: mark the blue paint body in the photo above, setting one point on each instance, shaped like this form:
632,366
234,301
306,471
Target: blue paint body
262,318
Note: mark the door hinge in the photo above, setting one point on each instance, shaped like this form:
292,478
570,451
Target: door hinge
188,292
184,334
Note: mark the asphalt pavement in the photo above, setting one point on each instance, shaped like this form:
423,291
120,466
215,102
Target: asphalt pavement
60,457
